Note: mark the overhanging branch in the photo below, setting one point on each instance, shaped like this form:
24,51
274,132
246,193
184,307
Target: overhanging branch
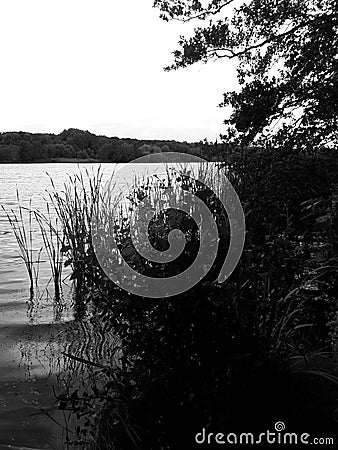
233,54
206,12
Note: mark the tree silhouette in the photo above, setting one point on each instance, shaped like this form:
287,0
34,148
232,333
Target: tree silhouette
287,63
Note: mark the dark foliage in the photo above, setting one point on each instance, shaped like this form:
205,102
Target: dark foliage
77,145
237,356
287,64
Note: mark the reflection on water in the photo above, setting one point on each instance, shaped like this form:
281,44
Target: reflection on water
40,363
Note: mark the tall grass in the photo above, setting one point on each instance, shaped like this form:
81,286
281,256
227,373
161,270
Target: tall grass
28,226
21,222
74,206
53,240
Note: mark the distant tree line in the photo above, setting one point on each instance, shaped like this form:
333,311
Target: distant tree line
74,144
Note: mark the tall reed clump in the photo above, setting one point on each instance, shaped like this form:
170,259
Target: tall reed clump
22,224
74,207
53,239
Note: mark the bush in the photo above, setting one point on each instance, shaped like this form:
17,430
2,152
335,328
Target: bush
230,356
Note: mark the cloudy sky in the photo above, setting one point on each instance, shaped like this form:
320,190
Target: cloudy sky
98,65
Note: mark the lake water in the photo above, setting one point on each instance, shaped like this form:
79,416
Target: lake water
33,183
32,337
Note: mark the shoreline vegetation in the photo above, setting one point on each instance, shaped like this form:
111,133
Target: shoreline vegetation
236,356
75,145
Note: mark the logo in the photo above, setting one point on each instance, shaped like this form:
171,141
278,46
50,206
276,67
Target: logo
176,212
279,426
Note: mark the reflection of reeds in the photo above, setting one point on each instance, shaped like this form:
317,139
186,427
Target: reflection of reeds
23,233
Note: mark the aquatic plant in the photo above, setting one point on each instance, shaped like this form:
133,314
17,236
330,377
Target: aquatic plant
21,221
53,240
74,208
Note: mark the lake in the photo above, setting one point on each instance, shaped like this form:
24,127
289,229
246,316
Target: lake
32,182
33,336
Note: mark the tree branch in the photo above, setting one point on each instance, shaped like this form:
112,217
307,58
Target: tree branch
203,14
274,38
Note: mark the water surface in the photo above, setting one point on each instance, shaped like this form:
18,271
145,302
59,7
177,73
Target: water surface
34,335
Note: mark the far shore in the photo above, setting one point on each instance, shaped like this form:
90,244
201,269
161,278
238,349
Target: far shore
91,160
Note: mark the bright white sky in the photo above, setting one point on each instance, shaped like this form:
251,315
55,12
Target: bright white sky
98,66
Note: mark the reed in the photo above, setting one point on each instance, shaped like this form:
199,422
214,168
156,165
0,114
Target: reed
21,222
74,206
53,239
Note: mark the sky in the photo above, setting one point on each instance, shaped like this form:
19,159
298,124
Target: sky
98,66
